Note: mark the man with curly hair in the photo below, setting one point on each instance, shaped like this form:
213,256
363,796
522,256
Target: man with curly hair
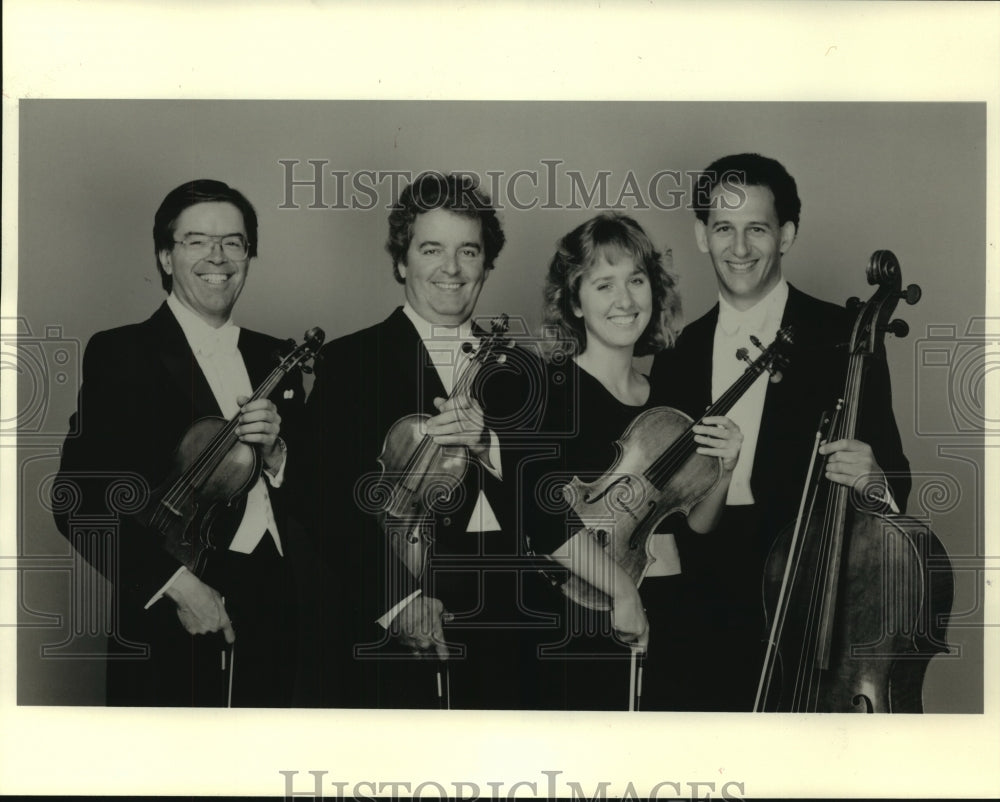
397,620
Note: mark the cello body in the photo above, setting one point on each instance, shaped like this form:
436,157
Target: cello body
856,598
895,590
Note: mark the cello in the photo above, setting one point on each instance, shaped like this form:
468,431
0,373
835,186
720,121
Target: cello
855,596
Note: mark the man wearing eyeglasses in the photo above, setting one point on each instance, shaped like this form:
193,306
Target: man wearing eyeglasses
143,387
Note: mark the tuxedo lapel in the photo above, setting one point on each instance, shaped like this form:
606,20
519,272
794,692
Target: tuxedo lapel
259,359
691,376
171,347
780,396
401,345
700,369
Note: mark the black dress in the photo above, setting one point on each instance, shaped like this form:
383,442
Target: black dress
583,665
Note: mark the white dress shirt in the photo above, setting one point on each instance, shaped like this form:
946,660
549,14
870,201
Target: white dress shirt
733,332
444,346
220,360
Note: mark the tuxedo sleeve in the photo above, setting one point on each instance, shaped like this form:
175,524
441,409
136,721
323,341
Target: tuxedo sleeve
512,393
342,488
878,428
289,399
107,470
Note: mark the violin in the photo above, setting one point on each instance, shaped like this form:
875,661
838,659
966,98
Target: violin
201,502
657,472
421,476
854,596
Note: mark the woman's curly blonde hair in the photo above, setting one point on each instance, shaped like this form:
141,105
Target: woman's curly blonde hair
611,236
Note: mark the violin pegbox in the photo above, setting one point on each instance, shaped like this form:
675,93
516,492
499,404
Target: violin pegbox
493,346
772,358
778,359
299,357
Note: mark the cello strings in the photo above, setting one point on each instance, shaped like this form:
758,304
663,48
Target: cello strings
833,519
792,564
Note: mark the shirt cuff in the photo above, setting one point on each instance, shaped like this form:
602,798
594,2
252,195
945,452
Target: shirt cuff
885,493
159,594
494,453
396,609
275,479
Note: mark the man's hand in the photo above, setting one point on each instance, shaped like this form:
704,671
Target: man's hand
850,460
260,425
629,619
459,422
419,626
199,607
717,436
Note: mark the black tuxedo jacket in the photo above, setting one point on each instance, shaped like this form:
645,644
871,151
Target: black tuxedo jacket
812,382
142,388
365,383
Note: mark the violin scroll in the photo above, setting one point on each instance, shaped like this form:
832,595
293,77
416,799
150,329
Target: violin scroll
772,358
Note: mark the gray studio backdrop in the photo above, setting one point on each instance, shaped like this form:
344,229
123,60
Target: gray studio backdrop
908,177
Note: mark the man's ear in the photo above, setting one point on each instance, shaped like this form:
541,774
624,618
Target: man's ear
701,236
788,232
166,263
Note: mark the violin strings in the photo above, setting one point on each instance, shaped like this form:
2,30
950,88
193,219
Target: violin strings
427,450
671,460
218,446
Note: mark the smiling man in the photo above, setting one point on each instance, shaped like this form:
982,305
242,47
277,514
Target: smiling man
144,385
444,236
747,209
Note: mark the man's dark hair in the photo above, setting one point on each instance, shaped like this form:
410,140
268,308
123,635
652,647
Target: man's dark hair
748,170
455,193
201,190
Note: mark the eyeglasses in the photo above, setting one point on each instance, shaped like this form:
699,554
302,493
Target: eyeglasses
234,246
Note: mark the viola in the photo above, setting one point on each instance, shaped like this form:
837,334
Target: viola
657,472
420,476
854,595
199,505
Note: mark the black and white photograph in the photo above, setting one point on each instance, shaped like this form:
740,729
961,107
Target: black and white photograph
496,441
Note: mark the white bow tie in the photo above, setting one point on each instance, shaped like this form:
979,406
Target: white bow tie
219,341
732,321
